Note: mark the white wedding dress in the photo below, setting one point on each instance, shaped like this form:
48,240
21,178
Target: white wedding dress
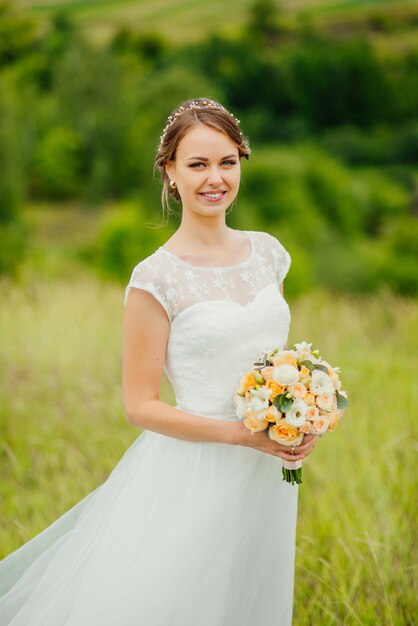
181,533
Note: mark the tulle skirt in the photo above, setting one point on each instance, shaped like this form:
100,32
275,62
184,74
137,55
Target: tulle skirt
180,534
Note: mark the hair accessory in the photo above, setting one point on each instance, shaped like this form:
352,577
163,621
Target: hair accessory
195,104
172,184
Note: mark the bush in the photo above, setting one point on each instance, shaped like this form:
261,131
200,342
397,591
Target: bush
57,164
124,239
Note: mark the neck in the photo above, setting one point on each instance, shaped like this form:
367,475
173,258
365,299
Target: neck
203,232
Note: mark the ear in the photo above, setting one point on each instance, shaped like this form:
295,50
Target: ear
169,169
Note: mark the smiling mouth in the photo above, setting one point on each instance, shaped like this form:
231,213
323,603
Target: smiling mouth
213,195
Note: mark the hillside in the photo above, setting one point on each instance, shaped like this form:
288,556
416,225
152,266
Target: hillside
183,21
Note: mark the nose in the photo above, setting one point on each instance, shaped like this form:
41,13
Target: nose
214,176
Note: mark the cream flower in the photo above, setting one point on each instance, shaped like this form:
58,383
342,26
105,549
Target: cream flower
320,383
304,350
259,399
296,415
286,374
240,406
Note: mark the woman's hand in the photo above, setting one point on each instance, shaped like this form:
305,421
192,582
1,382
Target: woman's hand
259,441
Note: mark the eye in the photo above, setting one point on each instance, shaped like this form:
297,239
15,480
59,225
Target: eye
229,162
195,165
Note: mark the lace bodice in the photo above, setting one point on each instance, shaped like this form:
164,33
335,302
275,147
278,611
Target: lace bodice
221,319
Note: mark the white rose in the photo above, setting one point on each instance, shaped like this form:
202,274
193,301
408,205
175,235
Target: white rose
321,383
285,374
259,399
240,406
296,415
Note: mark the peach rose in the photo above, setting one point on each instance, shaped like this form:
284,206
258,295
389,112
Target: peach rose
271,414
325,400
320,425
305,428
253,422
267,371
285,434
334,418
312,413
275,388
298,390
309,399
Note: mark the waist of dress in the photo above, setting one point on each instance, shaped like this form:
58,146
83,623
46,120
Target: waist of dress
227,417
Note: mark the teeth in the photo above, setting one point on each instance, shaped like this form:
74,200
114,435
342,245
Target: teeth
213,195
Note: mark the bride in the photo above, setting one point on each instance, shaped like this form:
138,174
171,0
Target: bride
194,526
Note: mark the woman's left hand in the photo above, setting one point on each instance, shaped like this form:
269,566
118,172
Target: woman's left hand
307,444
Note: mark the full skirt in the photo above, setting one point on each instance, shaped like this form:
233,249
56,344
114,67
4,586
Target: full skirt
181,533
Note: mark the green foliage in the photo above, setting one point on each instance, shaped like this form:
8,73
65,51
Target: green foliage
58,164
324,114
124,239
18,33
12,232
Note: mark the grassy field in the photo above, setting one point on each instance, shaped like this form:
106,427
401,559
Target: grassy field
63,430
186,20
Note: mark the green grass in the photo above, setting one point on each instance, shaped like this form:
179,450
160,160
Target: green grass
63,430
187,20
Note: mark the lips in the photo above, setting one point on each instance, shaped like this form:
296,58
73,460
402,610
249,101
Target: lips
213,195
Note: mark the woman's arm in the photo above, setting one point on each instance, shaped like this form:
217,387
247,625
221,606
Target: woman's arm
146,332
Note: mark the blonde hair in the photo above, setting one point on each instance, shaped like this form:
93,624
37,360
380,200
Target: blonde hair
182,119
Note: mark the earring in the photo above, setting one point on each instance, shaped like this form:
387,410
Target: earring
172,184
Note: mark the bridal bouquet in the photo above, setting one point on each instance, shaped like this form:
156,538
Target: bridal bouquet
289,393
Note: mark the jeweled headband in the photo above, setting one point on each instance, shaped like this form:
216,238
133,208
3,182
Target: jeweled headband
195,104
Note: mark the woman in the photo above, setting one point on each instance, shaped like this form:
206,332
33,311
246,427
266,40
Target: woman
194,525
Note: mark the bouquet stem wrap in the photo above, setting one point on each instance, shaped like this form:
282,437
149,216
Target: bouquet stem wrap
292,471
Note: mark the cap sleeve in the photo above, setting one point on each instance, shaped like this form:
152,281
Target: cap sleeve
282,259
146,276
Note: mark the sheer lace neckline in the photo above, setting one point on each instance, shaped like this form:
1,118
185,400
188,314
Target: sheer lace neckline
223,267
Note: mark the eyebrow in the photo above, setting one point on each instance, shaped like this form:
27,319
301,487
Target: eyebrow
200,158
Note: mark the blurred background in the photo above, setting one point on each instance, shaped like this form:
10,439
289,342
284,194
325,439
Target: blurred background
327,92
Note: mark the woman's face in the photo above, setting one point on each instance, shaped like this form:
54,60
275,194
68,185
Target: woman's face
206,170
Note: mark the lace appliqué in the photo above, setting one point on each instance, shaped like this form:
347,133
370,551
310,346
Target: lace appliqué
178,285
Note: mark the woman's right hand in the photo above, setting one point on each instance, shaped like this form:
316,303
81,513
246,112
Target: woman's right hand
259,441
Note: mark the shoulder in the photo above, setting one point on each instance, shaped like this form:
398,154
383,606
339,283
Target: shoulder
268,241
150,275
272,247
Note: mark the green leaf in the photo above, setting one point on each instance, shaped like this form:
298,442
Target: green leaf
276,402
342,401
284,402
320,367
309,365
314,366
